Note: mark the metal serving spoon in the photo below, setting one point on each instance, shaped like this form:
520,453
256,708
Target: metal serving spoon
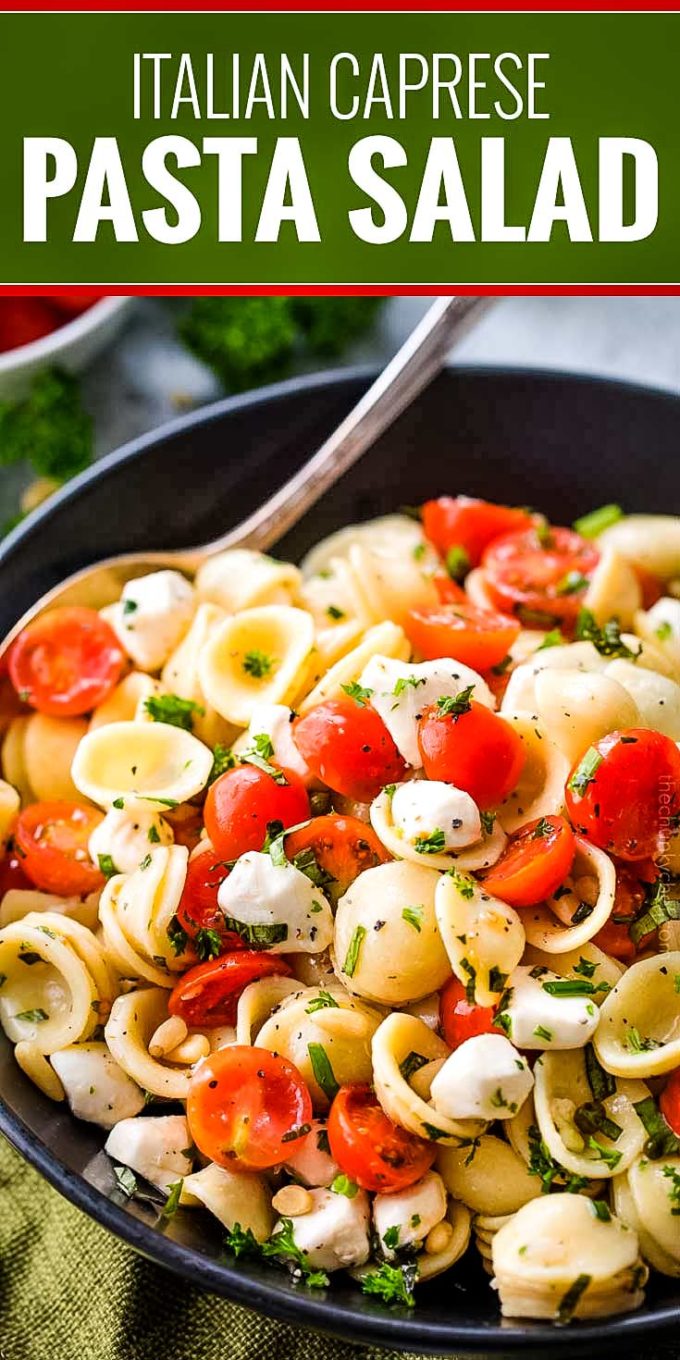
414,365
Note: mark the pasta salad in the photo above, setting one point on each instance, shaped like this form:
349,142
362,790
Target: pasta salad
346,899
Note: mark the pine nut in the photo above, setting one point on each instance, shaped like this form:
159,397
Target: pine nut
438,1238
292,1201
168,1035
35,1065
191,1050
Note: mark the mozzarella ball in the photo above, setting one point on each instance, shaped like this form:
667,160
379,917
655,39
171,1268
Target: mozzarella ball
537,1020
335,1233
156,1147
127,837
485,1078
97,1089
425,806
152,616
401,690
402,1219
311,1162
287,914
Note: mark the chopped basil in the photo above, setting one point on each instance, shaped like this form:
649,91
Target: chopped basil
129,607
584,967
323,1072
585,771
607,639
601,1082
583,911
659,909
358,693
144,863
569,1301
308,865
638,1043
352,956
455,706
260,754
433,1132
171,709
261,936
412,1063
470,984
592,1117
661,1140
321,1002
553,1177
434,844
596,521
300,1131
413,916
118,804
497,980
257,664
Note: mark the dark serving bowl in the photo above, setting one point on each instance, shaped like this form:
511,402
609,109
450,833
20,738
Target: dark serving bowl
561,443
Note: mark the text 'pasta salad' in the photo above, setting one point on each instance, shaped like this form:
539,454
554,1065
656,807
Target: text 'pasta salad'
346,899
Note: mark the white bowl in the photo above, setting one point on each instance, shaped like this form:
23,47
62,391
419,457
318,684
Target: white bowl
71,346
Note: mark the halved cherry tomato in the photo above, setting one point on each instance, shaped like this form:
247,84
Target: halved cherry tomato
669,1101
470,524
375,1153
66,662
448,590
476,750
540,577
208,994
534,863
342,847
614,938
198,908
477,637
460,1018
246,1106
625,791
243,801
52,839
650,585
348,747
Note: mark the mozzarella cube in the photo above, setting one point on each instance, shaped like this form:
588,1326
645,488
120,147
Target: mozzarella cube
485,1078
405,1218
127,837
402,689
97,1089
335,1232
424,806
663,622
310,1162
275,721
536,1020
158,1148
285,912
152,616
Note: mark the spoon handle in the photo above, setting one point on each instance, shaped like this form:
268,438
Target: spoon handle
414,365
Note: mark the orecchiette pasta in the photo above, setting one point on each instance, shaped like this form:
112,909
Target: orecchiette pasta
258,657
137,764
375,926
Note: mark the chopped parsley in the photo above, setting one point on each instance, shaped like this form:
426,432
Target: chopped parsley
153,836
352,955
171,709
413,916
177,936
407,682
391,1238
334,613
607,639
434,844
107,866
471,978
260,755
637,1042
584,967
454,706
674,1189
664,631
585,771
497,979
553,1177
323,1001
488,820
223,760
284,1247
412,1063
240,1242
609,1156
258,664
358,693
207,943
464,886
596,521
323,1072
393,1284
261,936
342,1185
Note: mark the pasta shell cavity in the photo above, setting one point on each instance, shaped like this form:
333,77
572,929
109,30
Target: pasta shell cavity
233,1198
579,707
481,855
257,1003
260,656
614,590
56,984
646,1199
327,1035
488,1176
401,1044
557,1259
180,676
126,700
396,535
387,943
588,1137
242,579
141,764
540,791
385,639
567,922
639,1030
136,910
483,936
134,1020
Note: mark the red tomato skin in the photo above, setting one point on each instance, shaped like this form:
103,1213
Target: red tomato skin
627,806
12,874
477,751
461,1019
40,828
25,319
532,867
468,523
73,301
241,804
348,747
669,1101
343,847
242,1102
66,662
526,577
375,1153
476,637
198,908
448,590
632,880
208,994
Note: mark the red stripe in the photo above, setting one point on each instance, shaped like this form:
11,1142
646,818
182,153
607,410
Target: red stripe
350,289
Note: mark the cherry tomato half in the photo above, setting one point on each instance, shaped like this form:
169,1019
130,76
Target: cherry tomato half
243,801
476,637
375,1153
66,662
52,841
625,791
208,994
463,522
462,1019
198,908
477,751
632,882
348,747
448,590
342,847
534,863
541,577
669,1101
244,1103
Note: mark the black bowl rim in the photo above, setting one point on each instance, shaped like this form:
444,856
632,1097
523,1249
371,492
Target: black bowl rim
322,1314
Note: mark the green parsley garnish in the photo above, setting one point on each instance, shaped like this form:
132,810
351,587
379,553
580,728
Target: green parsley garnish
609,1156
455,706
170,709
393,1284
207,943
107,866
553,1177
261,936
607,640
391,1238
352,956
223,760
464,886
241,1243
258,664
177,936
434,844
358,693
674,1190
260,755
413,916
284,1247
342,1185
334,613
585,771
407,682
153,836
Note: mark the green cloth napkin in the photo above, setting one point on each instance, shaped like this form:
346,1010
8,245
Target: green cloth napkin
69,1290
